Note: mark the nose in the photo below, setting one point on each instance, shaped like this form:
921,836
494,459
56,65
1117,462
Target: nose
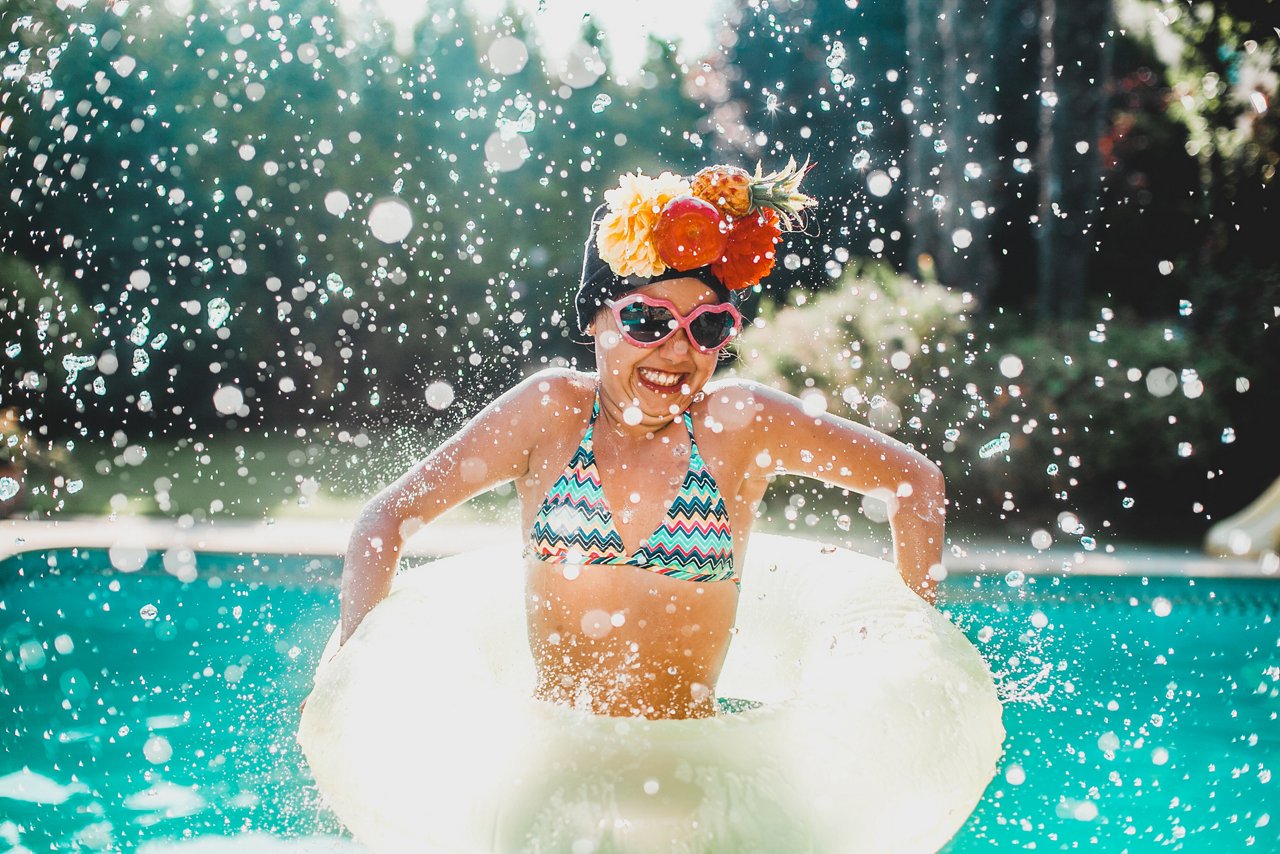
678,344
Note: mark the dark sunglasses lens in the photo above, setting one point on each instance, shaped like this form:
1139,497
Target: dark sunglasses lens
645,323
711,329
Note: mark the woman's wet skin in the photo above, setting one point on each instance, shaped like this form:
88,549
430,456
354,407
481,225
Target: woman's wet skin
625,640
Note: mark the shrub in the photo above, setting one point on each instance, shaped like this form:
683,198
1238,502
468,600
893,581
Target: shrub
1104,419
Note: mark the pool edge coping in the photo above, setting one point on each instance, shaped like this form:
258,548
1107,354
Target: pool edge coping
329,537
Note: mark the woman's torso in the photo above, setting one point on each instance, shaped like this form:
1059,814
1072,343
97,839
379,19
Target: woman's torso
629,640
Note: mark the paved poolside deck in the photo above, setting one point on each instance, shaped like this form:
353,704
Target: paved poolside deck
329,537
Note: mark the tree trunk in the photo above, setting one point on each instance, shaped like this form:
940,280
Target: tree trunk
1075,66
951,48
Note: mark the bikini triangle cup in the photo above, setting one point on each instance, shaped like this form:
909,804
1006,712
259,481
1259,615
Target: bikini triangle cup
575,525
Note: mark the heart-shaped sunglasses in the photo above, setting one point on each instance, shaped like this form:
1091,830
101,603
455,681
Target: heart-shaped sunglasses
646,321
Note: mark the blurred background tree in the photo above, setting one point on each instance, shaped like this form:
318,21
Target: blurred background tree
232,218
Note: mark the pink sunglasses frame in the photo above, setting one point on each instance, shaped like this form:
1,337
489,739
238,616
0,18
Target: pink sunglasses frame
682,321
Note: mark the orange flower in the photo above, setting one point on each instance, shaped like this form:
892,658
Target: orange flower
748,255
625,235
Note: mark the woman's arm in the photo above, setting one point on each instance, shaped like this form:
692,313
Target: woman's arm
492,448
854,457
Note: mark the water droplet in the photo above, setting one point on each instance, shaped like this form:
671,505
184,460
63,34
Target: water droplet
862,159
1051,469
995,447
141,361
1185,449
1184,307
228,399
390,220
1161,382
439,394
157,749
972,170
75,364
337,202
940,146
951,434
1049,98
148,612
1021,165
837,54
1015,578
601,103
1126,502
333,282
1228,435
879,183
8,488
219,310
938,202
865,128
74,486
508,55
13,350
1089,543
962,238
1161,606
1011,366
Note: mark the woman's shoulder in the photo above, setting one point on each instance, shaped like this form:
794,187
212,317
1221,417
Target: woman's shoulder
742,395
555,390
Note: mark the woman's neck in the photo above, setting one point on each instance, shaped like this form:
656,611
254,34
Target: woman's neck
618,421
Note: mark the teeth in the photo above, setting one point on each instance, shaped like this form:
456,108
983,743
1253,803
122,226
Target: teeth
659,377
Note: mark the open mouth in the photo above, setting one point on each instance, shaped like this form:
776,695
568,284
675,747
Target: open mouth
660,381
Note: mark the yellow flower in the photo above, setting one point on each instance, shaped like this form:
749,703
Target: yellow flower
624,237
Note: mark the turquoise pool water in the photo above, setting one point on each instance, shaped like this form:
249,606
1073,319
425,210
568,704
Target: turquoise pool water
146,709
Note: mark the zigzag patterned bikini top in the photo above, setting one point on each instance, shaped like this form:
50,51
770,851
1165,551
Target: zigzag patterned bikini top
574,524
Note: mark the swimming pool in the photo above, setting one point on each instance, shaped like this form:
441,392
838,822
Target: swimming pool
158,705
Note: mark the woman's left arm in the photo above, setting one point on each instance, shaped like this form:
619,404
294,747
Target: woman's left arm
854,457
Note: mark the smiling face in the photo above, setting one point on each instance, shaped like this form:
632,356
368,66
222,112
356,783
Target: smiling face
660,381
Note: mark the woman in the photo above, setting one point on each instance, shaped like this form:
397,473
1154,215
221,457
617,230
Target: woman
635,541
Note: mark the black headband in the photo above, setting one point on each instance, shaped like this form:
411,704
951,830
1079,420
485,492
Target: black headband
600,283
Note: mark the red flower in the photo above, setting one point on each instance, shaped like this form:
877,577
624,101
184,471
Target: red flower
748,254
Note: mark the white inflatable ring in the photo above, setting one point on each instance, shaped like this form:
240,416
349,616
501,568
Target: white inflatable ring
879,731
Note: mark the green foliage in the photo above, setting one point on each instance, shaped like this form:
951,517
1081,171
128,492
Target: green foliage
1218,61
824,80
1092,413
43,321
166,162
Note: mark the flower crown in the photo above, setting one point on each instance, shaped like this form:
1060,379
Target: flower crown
725,217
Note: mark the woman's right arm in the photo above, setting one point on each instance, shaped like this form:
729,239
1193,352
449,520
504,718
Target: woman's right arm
492,448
